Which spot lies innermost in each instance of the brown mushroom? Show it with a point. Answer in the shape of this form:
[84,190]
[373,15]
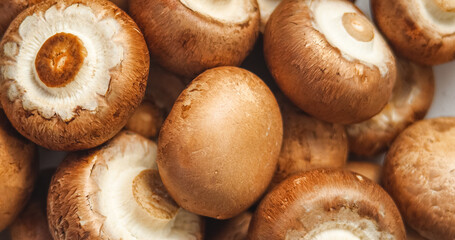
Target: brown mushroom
[413,235]
[115,192]
[187,37]
[146,120]
[73,71]
[327,204]
[18,171]
[235,228]
[329,59]
[218,148]
[371,170]
[123,4]
[419,175]
[9,9]
[422,31]
[411,99]
[32,222]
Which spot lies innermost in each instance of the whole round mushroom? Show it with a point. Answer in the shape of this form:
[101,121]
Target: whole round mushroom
[329,59]
[115,192]
[73,71]
[327,204]
[187,37]
[422,31]
[18,171]
[218,148]
[419,175]
[411,98]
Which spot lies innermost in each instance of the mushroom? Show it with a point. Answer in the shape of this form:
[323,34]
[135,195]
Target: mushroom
[370,170]
[218,148]
[187,37]
[235,228]
[18,171]
[422,31]
[9,9]
[146,120]
[411,99]
[308,143]
[123,4]
[327,204]
[115,192]
[73,71]
[413,235]
[32,222]
[329,59]
[419,175]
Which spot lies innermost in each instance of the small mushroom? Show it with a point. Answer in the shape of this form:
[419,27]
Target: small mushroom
[327,204]
[146,120]
[422,31]
[73,71]
[115,192]
[32,222]
[329,59]
[235,228]
[218,148]
[370,170]
[18,171]
[419,174]
[9,9]
[187,37]
[411,99]
[308,143]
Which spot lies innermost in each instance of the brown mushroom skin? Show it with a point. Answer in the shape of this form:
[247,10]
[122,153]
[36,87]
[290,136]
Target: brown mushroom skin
[306,200]
[218,148]
[411,98]
[9,9]
[418,174]
[88,129]
[146,120]
[370,170]
[408,39]
[19,169]
[123,4]
[318,79]
[186,42]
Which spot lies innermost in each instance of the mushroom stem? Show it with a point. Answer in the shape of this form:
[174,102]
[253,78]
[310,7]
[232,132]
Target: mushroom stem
[340,234]
[358,26]
[446,5]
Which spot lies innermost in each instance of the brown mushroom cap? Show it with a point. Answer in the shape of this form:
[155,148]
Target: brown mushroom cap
[327,204]
[308,143]
[187,41]
[85,81]
[146,120]
[418,30]
[115,192]
[18,171]
[419,175]
[235,228]
[338,68]
[411,99]
[9,9]
[218,148]
[370,170]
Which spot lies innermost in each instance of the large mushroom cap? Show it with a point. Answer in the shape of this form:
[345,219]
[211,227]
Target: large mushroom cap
[189,36]
[419,175]
[327,204]
[218,148]
[73,71]
[421,30]
[115,192]
[410,101]
[329,59]
[18,170]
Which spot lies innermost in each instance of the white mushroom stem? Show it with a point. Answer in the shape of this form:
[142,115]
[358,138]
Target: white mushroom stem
[228,11]
[266,8]
[438,15]
[339,234]
[358,27]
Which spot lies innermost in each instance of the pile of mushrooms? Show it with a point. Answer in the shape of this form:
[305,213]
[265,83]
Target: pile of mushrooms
[224,120]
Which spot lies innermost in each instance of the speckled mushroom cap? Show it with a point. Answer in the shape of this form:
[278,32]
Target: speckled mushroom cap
[9,9]
[187,37]
[115,192]
[72,72]
[329,59]
[327,204]
[411,98]
[419,175]
[421,30]
[18,171]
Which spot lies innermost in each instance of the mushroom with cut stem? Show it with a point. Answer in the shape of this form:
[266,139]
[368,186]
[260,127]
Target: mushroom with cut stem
[329,59]
[187,37]
[73,71]
[115,192]
[411,99]
[218,148]
[146,120]
[419,174]
[370,170]
[327,204]
[18,171]
[422,31]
